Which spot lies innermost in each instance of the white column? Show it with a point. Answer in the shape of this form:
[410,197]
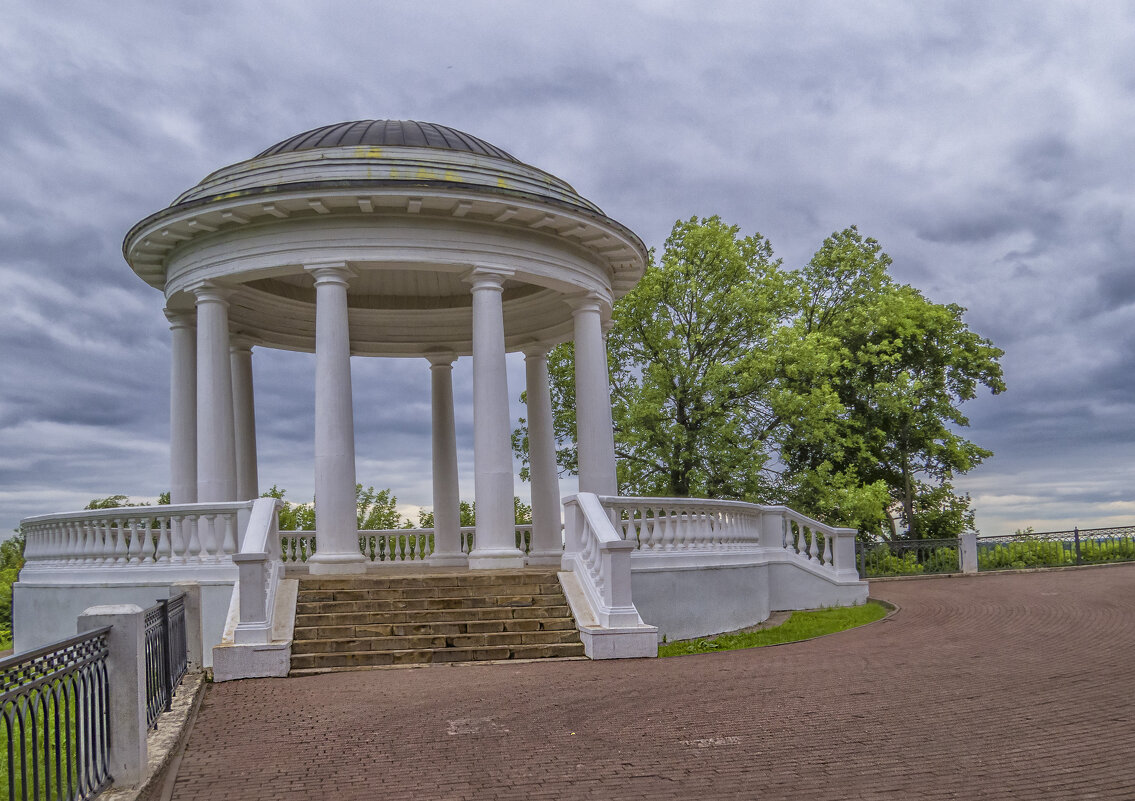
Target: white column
[336,515]
[216,450]
[244,419]
[595,433]
[182,408]
[547,545]
[495,540]
[446,500]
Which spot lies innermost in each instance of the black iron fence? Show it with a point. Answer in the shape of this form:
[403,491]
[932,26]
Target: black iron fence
[1090,546]
[907,557]
[166,659]
[54,720]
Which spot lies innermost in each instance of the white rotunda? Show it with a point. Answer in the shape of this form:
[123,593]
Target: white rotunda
[388,238]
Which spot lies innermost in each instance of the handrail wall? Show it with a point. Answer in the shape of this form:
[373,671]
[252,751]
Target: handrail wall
[599,555]
[261,567]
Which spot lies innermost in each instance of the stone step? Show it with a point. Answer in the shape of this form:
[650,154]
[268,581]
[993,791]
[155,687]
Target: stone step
[479,579]
[400,604]
[433,615]
[313,595]
[324,661]
[432,642]
[440,628]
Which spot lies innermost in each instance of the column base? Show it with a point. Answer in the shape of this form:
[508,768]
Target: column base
[546,557]
[448,559]
[504,559]
[336,564]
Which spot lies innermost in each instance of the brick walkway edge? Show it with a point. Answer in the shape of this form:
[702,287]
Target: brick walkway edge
[1016,686]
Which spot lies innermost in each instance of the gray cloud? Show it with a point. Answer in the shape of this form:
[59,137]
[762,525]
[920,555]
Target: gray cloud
[987,147]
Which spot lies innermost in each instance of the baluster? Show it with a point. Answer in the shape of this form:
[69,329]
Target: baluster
[229,542]
[198,531]
[829,551]
[121,545]
[814,548]
[178,541]
[413,542]
[150,532]
[105,552]
[165,542]
[74,543]
[790,536]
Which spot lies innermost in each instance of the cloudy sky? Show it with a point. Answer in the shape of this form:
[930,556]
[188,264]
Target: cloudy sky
[989,147]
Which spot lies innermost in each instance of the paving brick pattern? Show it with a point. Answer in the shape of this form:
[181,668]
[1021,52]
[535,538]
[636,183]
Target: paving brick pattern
[1002,686]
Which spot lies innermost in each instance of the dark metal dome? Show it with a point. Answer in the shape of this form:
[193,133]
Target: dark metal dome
[378,133]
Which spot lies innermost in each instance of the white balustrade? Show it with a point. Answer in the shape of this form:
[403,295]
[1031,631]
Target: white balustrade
[704,527]
[261,567]
[139,536]
[397,546]
[600,557]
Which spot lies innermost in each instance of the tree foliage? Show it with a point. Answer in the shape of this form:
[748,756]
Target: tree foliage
[832,387]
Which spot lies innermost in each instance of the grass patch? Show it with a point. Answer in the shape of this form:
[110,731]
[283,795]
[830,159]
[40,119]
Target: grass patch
[800,626]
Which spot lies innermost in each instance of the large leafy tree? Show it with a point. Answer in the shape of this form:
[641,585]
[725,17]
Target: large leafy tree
[904,366]
[832,387]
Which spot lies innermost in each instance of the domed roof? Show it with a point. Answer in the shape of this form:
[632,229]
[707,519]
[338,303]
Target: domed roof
[390,133]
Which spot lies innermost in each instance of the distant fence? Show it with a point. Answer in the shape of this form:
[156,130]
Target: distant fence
[54,719]
[907,557]
[1090,546]
[1008,552]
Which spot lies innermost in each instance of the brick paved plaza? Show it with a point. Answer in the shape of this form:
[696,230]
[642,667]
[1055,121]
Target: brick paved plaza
[995,686]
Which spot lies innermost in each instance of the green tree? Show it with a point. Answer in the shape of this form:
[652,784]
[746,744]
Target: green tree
[293,517]
[468,514]
[903,366]
[377,511]
[832,387]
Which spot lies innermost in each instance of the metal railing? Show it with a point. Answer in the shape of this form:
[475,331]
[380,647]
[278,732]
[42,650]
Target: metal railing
[907,557]
[1056,548]
[54,719]
[166,658]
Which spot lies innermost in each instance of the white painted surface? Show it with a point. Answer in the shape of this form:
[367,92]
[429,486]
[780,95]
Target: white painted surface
[446,489]
[546,546]
[696,602]
[244,415]
[336,510]
[183,407]
[595,432]
[216,448]
[494,544]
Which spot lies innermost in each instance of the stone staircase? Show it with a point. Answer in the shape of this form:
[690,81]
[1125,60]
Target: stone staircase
[368,621]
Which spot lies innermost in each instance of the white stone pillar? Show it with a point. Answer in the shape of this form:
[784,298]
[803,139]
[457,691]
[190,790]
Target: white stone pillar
[182,408]
[547,543]
[595,437]
[336,513]
[446,495]
[216,449]
[495,540]
[244,419]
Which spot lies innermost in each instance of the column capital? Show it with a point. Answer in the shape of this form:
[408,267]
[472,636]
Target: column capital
[441,358]
[536,351]
[209,292]
[587,302]
[239,343]
[485,277]
[337,272]
[181,318]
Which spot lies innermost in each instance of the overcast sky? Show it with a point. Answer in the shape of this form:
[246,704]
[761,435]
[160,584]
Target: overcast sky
[989,147]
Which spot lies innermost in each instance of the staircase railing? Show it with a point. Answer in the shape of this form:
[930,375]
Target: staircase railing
[600,558]
[261,568]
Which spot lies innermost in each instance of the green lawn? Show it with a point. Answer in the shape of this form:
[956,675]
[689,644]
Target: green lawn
[799,626]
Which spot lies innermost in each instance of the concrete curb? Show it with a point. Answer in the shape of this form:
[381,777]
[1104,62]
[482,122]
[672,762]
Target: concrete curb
[165,745]
[984,573]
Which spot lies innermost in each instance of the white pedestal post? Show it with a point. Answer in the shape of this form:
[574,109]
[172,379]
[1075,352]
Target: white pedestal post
[446,497]
[595,431]
[495,540]
[216,449]
[336,513]
[126,669]
[244,411]
[547,543]
[182,408]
